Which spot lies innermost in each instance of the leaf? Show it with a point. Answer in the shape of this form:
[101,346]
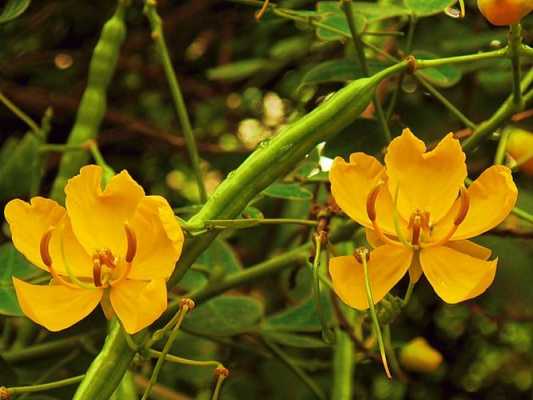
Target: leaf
[290,191]
[219,259]
[239,70]
[341,70]
[18,170]
[12,263]
[443,76]
[301,318]
[252,212]
[423,8]
[372,11]
[338,26]
[13,9]
[295,340]
[224,316]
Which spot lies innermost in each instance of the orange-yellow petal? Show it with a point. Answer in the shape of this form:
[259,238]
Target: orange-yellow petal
[28,223]
[98,217]
[138,303]
[492,197]
[470,248]
[55,307]
[456,276]
[352,182]
[426,181]
[159,239]
[387,265]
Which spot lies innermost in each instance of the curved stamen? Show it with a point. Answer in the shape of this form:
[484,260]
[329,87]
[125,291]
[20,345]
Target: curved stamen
[459,218]
[44,248]
[97,272]
[416,225]
[372,215]
[130,254]
[70,274]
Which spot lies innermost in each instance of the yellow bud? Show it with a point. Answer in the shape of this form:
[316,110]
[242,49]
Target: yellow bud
[419,356]
[520,147]
[505,12]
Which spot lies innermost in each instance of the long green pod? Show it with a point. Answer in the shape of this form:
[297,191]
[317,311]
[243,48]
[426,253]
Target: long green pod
[108,368]
[93,102]
[277,157]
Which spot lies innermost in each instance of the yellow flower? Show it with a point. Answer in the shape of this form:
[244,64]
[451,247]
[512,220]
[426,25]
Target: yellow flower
[419,356]
[418,216]
[114,246]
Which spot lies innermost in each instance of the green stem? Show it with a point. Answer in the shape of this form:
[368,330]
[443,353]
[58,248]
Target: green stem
[454,110]
[317,262]
[184,361]
[218,387]
[395,365]
[60,148]
[359,48]
[181,109]
[251,222]
[488,55]
[515,43]
[343,362]
[526,51]
[299,372]
[499,159]
[44,386]
[168,345]
[21,115]
[506,110]
[362,257]
[408,293]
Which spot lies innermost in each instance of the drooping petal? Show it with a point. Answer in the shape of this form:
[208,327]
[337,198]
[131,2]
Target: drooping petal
[492,197]
[456,276]
[426,181]
[387,265]
[55,307]
[159,239]
[352,182]
[98,217]
[28,223]
[470,248]
[138,303]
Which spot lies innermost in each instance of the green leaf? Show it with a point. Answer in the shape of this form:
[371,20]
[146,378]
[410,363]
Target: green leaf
[13,9]
[218,260]
[18,170]
[363,135]
[443,76]
[252,212]
[341,70]
[224,316]
[12,263]
[289,191]
[295,340]
[239,70]
[338,26]
[301,318]
[422,8]
[372,11]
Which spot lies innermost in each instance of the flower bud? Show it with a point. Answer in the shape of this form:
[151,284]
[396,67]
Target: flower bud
[520,147]
[419,356]
[505,12]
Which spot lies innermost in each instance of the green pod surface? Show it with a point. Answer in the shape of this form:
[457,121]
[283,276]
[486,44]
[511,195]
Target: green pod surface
[276,158]
[93,102]
[108,368]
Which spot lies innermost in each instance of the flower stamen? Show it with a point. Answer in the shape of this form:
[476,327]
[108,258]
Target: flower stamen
[130,254]
[44,247]
[459,218]
[372,215]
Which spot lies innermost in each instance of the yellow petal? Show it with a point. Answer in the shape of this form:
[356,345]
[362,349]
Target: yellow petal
[470,248]
[386,267]
[492,197]
[415,270]
[55,307]
[137,303]
[98,217]
[29,222]
[351,184]
[456,276]
[427,181]
[159,239]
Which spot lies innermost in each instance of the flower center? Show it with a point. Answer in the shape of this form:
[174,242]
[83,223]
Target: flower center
[108,270]
[419,224]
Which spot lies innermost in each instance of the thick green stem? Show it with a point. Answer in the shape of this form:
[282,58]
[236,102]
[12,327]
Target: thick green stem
[181,109]
[499,159]
[343,362]
[506,110]
[515,43]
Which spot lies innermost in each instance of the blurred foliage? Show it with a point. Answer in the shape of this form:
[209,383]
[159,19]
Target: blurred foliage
[243,80]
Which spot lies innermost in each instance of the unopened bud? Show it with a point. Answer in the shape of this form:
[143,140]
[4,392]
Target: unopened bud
[4,393]
[186,302]
[504,12]
[221,371]
[419,356]
[520,148]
